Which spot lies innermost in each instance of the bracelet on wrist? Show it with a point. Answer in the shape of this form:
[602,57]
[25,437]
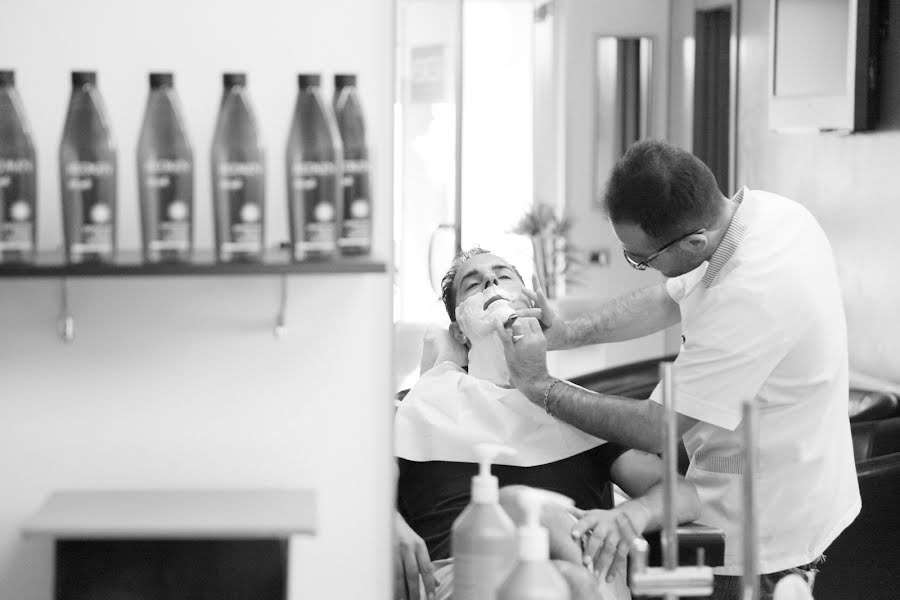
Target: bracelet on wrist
[547,395]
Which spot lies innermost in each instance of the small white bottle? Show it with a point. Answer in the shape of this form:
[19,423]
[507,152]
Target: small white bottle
[483,538]
[792,587]
[534,577]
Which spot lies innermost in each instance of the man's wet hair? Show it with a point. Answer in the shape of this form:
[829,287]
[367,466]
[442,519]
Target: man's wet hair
[448,291]
[663,189]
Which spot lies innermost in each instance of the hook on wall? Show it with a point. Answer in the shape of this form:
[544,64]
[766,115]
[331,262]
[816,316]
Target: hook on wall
[281,329]
[66,321]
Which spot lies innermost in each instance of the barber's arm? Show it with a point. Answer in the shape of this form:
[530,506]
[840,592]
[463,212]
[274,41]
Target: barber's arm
[633,423]
[640,475]
[627,317]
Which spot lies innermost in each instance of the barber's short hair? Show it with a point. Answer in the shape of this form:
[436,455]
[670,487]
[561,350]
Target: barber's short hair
[448,290]
[664,190]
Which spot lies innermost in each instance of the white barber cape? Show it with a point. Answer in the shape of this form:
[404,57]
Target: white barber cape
[448,411]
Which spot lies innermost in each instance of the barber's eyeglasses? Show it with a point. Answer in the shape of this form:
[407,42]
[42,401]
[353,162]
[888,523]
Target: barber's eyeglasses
[643,264]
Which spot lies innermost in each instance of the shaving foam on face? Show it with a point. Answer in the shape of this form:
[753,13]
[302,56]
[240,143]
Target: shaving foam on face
[486,358]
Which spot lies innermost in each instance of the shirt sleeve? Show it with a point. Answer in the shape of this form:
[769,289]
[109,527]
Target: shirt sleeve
[729,352]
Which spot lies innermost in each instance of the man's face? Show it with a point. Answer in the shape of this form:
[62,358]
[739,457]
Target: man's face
[676,260]
[483,271]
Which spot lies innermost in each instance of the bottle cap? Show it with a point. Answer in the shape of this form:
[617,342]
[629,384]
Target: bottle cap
[80,78]
[158,80]
[344,80]
[233,79]
[305,80]
[7,78]
[486,487]
[534,540]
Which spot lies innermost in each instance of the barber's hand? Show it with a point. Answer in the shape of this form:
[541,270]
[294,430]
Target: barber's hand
[525,348]
[410,561]
[555,329]
[611,534]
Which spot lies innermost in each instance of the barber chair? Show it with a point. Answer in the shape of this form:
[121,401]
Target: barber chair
[861,564]
[869,405]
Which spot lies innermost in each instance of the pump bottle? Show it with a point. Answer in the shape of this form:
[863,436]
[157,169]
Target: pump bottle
[483,536]
[534,577]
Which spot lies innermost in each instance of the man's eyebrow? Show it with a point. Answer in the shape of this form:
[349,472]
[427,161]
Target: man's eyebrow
[471,273]
[475,273]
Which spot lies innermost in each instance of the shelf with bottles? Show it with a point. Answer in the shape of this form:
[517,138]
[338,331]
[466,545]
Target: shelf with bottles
[276,261]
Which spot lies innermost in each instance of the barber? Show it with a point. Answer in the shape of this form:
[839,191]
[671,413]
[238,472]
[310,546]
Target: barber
[752,280]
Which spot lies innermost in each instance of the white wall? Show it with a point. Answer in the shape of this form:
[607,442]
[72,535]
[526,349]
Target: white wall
[178,382]
[582,22]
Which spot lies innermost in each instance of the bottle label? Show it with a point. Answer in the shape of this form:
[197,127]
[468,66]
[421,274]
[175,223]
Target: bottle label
[168,186]
[17,200]
[240,195]
[90,190]
[356,228]
[314,198]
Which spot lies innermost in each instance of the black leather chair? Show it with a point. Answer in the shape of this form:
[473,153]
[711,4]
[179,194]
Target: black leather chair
[862,563]
[869,405]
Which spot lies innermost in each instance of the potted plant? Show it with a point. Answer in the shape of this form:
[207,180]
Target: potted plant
[554,256]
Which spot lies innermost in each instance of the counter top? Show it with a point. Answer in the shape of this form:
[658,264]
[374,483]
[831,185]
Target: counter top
[184,514]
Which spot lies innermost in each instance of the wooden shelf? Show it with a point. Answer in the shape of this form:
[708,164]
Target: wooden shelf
[130,265]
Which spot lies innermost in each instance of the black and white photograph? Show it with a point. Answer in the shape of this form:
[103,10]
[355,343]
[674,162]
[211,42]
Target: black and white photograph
[449,299]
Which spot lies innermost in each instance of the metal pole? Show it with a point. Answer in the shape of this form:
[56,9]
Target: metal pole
[751,551]
[670,458]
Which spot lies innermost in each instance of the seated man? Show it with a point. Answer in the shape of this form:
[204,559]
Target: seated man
[449,410]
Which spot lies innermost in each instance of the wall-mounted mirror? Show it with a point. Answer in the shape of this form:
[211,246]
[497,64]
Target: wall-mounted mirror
[622,99]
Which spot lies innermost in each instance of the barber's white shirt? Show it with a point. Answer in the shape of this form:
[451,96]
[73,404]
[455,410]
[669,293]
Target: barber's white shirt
[764,318]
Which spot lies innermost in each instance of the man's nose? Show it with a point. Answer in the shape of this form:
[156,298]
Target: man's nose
[489,280]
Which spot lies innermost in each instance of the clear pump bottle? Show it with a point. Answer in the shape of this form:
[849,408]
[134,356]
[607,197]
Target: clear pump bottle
[534,577]
[18,177]
[483,536]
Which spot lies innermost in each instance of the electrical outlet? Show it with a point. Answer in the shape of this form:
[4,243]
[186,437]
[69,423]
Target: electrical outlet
[599,257]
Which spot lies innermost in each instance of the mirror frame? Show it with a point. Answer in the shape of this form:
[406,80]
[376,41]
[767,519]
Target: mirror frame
[598,179]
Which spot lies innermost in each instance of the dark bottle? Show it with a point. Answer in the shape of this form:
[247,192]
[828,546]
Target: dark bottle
[313,175]
[87,160]
[238,173]
[18,177]
[356,233]
[165,165]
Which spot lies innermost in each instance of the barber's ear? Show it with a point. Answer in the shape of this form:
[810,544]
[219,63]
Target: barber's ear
[696,243]
[457,334]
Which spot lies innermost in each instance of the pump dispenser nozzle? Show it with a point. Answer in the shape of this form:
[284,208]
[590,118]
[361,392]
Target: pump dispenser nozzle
[486,487]
[534,540]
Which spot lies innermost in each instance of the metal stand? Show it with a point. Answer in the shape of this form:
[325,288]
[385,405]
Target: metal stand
[670,580]
[751,551]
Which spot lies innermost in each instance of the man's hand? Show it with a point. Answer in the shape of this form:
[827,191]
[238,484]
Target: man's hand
[410,561]
[525,348]
[609,535]
[555,329]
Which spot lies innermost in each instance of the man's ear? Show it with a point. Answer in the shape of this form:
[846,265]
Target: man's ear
[695,244]
[457,334]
